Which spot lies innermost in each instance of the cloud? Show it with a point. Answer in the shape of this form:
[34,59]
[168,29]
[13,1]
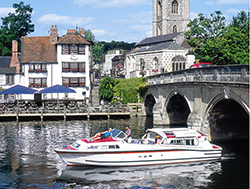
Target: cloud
[140,18]
[99,32]
[4,11]
[232,11]
[139,28]
[111,3]
[64,20]
[193,15]
[232,2]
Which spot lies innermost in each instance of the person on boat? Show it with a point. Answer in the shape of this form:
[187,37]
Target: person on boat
[128,133]
[157,139]
[103,135]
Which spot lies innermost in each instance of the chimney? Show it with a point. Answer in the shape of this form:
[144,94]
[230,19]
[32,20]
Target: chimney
[81,31]
[197,61]
[14,59]
[53,35]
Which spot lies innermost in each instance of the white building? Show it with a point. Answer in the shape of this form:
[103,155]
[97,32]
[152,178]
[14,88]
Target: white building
[167,50]
[107,65]
[51,60]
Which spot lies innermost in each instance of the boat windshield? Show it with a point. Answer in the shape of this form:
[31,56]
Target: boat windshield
[118,134]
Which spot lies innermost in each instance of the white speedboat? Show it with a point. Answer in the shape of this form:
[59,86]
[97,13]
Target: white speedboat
[157,146]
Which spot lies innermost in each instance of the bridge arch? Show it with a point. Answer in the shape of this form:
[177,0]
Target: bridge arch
[149,103]
[226,118]
[177,108]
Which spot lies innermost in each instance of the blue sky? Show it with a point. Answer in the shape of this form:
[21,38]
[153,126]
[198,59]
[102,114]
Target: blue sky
[119,20]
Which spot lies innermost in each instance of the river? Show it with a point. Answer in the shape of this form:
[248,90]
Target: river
[28,160]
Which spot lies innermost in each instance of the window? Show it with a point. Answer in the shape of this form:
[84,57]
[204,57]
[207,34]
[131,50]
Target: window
[175,7]
[73,81]
[142,64]
[159,8]
[38,82]
[73,49]
[73,66]
[65,49]
[185,141]
[9,79]
[38,67]
[81,49]
[175,29]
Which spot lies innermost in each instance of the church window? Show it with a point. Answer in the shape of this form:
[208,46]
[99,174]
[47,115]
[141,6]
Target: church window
[159,30]
[159,8]
[175,5]
[156,67]
[175,29]
[142,64]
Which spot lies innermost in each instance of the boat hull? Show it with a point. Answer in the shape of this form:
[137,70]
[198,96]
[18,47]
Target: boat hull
[137,158]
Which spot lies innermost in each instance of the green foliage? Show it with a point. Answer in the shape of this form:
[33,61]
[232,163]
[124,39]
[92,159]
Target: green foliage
[213,41]
[103,47]
[97,52]
[14,26]
[117,45]
[127,90]
[106,87]
[89,35]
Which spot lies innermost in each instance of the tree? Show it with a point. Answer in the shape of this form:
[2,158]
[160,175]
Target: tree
[106,89]
[129,90]
[212,41]
[97,52]
[241,21]
[89,35]
[97,47]
[117,45]
[14,26]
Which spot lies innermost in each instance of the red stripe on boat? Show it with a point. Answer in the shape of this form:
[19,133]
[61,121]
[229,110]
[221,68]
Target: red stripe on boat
[69,148]
[215,147]
[99,140]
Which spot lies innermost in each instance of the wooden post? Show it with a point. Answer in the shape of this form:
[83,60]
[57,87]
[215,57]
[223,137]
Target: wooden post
[42,114]
[65,116]
[17,112]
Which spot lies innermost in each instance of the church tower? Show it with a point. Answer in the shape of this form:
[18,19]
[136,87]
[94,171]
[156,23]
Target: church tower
[170,16]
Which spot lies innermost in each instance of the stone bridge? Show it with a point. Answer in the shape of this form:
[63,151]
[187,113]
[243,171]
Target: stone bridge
[214,100]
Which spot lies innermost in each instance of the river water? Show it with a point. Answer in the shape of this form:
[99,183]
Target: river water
[28,160]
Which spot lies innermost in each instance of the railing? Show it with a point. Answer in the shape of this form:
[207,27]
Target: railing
[59,106]
[220,74]
[135,107]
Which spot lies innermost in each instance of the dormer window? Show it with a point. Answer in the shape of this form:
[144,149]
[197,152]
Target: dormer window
[73,49]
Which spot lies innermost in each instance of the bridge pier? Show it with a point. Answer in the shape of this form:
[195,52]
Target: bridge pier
[214,100]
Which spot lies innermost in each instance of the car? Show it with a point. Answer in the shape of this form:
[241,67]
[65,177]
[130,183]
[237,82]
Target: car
[201,65]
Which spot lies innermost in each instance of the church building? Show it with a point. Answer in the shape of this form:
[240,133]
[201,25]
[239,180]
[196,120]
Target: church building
[167,50]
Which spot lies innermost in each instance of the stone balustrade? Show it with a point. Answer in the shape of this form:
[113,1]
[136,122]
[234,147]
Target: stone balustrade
[220,74]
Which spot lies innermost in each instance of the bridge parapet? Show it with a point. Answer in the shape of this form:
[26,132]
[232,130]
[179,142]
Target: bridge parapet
[227,74]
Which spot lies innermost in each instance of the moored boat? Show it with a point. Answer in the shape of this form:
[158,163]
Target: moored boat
[157,146]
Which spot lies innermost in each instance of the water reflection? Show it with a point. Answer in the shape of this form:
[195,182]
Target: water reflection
[165,176]
[28,160]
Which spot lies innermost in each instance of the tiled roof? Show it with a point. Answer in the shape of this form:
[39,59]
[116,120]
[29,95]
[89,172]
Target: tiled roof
[169,45]
[118,57]
[38,49]
[158,39]
[74,38]
[7,70]
[5,61]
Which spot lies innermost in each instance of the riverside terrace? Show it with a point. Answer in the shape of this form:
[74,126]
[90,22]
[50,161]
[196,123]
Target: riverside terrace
[59,110]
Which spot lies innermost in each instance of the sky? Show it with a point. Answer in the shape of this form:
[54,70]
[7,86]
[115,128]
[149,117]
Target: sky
[118,20]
